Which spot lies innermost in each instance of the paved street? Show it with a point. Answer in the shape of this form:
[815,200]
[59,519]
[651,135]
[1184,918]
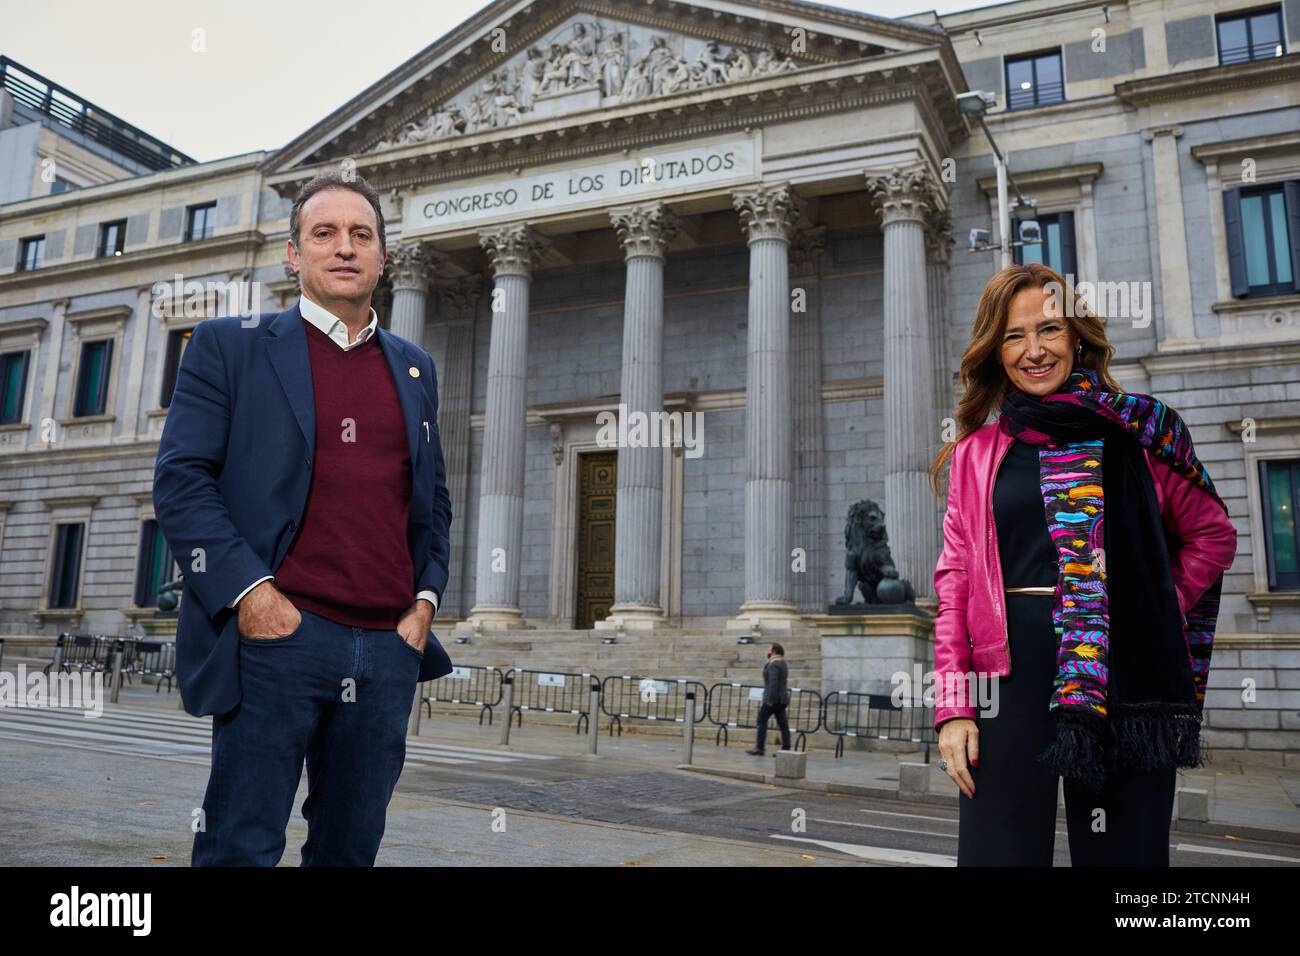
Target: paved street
[121,789]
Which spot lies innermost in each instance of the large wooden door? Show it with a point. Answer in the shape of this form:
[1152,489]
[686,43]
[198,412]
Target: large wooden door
[597,496]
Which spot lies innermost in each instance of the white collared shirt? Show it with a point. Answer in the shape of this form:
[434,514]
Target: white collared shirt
[333,326]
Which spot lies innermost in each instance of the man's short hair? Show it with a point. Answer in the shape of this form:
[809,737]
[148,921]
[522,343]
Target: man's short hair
[335,179]
[778,648]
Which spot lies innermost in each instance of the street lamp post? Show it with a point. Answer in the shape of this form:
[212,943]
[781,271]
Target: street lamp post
[975,104]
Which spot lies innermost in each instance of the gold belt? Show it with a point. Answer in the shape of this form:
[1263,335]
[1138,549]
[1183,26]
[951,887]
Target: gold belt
[1033,590]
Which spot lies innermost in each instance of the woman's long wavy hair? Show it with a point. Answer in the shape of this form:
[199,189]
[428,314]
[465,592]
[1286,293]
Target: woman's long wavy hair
[982,375]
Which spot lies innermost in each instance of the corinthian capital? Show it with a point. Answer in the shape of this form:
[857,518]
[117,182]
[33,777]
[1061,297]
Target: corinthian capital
[645,230]
[408,266]
[512,249]
[769,212]
[805,249]
[903,194]
[461,296]
[938,236]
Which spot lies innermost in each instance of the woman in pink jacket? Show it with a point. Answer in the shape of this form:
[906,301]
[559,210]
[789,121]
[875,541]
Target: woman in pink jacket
[1084,541]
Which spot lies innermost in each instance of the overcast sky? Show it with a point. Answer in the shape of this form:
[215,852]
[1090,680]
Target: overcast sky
[269,70]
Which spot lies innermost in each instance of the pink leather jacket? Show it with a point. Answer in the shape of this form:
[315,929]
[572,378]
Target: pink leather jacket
[970,631]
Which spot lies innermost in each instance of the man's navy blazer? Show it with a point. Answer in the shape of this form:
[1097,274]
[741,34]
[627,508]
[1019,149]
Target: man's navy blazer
[232,476]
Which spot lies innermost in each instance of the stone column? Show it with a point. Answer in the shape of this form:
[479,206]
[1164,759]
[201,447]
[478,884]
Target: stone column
[769,215]
[46,426]
[455,390]
[1171,232]
[513,251]
[137,424]
[904,200]
[806,355]
[645,233]
[409,265]
[938,254]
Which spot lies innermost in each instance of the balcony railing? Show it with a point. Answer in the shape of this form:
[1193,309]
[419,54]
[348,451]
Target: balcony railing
[67,109]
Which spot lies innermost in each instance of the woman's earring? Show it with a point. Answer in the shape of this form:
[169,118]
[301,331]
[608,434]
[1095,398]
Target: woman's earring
[1078,352]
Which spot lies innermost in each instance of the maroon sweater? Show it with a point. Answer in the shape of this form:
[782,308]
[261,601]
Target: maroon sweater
[351,562]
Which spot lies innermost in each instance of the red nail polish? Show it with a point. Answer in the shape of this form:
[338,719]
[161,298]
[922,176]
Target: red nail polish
[975,764]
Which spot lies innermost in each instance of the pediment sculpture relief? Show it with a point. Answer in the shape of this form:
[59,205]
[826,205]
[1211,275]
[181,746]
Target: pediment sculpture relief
[593,59]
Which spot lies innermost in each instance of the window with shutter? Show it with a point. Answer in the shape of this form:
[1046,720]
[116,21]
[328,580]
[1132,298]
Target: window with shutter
[1262,228]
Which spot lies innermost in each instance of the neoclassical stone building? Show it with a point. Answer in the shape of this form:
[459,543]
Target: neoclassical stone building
[750,214]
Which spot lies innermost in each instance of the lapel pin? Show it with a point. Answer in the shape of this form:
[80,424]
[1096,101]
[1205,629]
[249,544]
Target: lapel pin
[415,372]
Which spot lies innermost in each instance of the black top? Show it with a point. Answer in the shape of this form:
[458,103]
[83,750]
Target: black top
[1025,549]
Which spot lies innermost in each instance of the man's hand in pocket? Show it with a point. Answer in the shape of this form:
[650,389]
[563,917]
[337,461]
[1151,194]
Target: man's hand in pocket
[415,623]
[266,612]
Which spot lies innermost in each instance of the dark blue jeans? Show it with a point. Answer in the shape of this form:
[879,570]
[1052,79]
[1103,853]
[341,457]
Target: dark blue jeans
[338,697]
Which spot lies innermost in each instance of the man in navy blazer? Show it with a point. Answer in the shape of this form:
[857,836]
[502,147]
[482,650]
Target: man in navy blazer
[301,486]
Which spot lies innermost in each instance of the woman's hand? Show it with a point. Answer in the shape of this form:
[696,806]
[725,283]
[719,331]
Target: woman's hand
[959,742]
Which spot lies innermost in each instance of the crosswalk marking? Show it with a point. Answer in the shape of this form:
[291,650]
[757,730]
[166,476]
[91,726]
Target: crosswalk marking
[1224,851]
[877,854]
[877,826]
[175,735]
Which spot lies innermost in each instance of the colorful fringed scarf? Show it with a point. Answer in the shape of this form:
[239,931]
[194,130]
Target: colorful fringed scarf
[1131,671]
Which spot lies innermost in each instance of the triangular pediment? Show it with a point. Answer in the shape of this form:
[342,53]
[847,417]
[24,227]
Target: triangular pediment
[589,63]
[516,63]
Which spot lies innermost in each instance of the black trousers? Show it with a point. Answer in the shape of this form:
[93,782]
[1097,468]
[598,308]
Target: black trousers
[766,711]
[1011,820]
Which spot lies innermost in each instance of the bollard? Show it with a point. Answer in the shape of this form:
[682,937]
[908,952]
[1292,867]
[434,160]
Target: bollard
[688,732]
[792,764]
[413,725]
[58,657]
[593,725]
[913,778]
[1192,804]
[118,652]
[507,702]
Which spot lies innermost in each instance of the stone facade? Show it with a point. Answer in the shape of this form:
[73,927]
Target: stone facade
[653,269]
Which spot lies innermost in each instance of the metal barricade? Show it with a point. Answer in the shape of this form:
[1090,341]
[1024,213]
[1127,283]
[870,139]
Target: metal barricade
[471,685]
[737,705]
[79,652]
[144,658]
[847,714]
[638,697]
[552,692]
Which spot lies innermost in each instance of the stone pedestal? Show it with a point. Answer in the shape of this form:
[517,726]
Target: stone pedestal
[861,653]
[163,628]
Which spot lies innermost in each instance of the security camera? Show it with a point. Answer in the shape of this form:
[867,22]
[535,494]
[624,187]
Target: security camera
[1029,231]
[978,237]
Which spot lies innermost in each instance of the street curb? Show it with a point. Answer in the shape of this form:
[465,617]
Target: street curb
[1262,834]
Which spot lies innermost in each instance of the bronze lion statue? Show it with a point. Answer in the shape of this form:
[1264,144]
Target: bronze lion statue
[867,561]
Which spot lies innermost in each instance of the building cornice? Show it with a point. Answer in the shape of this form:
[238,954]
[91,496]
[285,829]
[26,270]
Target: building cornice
[35,326]
[1080,173]
[917,75]
[1207,152]
[151,183]
[173,253]
[70,501]
[466,54]
[1242,356]
[1210,81]
[118,313]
